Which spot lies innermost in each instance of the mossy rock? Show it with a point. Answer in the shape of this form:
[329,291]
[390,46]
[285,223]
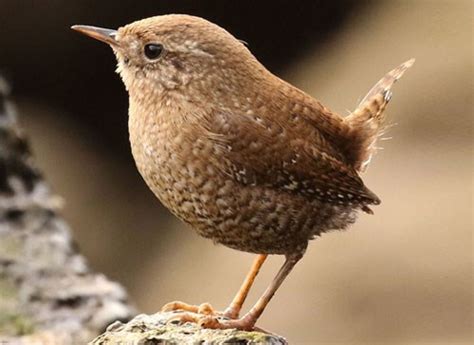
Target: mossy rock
[154,329]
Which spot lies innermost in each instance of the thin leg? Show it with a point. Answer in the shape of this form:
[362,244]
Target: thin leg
[235,306]
[247,322]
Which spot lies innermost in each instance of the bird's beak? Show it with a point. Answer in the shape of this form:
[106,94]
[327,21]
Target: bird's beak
[105,35]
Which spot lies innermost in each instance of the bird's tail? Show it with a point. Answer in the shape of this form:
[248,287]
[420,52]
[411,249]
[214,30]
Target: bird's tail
[366,123]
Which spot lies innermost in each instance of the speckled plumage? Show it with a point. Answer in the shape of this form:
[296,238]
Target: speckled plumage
[245,158]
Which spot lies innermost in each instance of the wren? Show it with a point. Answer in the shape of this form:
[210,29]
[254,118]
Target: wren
[246,159]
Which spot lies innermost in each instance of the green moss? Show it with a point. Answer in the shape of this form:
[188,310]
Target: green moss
[11,322]
[11,247]
[156,329]
[15,324]
[248,337]
[8,292]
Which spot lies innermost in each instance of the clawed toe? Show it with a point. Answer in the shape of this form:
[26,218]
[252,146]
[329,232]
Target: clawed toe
[204,308]
[212,322]
[209,322]
[183,317]
[205,316]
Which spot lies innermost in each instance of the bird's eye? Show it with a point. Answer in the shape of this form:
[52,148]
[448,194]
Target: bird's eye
[153,51]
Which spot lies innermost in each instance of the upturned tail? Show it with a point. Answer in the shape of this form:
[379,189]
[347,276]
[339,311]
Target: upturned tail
[366,123]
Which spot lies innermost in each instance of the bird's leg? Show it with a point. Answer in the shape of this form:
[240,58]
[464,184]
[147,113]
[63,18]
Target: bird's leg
[233,310]
[247,322]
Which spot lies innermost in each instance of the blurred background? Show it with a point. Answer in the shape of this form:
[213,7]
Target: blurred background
[402,276]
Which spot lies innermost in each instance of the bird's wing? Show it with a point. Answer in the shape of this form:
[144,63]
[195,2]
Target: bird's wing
[262,152]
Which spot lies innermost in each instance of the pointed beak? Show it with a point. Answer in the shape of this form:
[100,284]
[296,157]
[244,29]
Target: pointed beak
[105,35]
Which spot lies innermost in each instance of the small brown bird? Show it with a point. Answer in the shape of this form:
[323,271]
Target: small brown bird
[242,156]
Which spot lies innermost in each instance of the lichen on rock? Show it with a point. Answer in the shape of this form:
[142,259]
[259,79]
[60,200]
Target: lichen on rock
[155,329]
[48,293]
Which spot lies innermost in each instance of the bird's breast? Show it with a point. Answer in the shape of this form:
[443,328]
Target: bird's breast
[176,163]
[151,139]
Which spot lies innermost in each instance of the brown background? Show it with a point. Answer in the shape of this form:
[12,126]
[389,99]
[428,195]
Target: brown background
[402,276]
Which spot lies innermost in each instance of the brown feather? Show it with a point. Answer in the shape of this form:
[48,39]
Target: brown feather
[244,157]
[367,121]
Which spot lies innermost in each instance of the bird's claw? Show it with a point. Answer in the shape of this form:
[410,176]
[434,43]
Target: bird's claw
[205,316]
[207,321]
[213,322]
[210,321]
[183,317]
[202,309]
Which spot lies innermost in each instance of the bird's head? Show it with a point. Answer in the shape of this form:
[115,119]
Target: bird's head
[169,52]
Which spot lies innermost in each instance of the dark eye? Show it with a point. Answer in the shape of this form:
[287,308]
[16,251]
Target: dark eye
[153,50]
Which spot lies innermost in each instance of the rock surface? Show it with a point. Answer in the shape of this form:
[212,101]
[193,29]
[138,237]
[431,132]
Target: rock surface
[48,294]
[154,329]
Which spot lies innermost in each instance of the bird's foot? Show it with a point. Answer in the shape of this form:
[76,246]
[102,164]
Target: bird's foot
[202,309]
[206,316]
[213,321]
